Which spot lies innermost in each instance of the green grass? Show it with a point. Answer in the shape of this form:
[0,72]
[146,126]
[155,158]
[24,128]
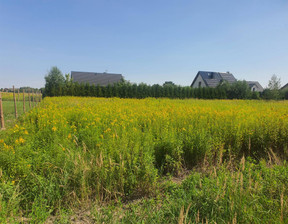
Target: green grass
[9,111]
[119,159]
[249,193]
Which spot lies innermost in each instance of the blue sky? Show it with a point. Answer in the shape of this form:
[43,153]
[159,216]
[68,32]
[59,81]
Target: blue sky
[146,41]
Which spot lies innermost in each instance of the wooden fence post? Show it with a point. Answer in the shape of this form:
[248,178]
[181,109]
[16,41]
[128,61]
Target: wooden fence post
[36,97]
[15,106]
[18,95]
[1,113]
[33,99]
[39,96]
[23,102]
[29,98]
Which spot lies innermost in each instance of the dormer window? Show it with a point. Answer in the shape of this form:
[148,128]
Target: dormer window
[210,75]
[199,84]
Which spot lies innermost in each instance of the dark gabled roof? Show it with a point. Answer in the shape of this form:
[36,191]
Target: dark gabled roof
[212,82]
[285,86]
[212,79]
[227,77]
[252,83]
[102,79]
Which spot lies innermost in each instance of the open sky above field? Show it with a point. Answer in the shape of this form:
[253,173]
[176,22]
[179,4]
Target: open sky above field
[149,41]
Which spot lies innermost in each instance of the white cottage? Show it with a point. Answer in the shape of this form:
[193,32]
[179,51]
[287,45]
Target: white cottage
[212,79]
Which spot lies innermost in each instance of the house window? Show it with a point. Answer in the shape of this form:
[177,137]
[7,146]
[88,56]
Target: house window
[199,84]
[253,89]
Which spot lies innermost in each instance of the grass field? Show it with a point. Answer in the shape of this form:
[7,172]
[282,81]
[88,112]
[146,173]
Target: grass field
[150,160]
[9,111]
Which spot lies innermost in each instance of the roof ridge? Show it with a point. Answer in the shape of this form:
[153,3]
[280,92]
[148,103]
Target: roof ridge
[98,73]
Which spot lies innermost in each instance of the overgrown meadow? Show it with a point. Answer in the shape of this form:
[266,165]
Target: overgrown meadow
[68,151]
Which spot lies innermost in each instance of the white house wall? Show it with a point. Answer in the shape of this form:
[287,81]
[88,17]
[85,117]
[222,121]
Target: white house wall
[256,89]
[196,83]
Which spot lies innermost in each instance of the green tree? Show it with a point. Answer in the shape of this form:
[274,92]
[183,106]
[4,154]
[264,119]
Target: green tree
[69,86]
[274,86]
[255,95]
[274,83]
[239,90]
[54,82]
[99,91]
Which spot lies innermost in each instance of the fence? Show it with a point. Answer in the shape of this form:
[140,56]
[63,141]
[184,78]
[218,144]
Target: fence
[29,96]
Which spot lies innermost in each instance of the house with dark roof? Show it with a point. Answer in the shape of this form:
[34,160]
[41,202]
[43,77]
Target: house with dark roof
[284,88]
[255,86]
[101,79]
[212,79]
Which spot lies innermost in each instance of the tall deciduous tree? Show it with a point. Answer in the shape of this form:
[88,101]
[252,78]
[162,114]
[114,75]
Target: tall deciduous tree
[54,82]
[273,90]
[274,83]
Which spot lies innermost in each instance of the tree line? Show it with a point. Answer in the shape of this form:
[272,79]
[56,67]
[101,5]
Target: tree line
[25,88]
[58,85]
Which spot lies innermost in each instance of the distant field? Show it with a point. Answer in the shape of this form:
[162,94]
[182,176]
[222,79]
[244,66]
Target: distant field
[69,151]
[19,97]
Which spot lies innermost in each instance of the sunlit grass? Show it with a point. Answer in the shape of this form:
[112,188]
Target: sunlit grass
[71,150]
[9,111]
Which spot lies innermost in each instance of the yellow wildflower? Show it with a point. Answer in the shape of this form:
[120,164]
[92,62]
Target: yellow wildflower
[21,140]
[108,129]
[54,128]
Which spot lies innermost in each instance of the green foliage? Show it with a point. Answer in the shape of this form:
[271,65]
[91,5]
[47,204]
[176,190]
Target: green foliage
[71,150]
[9,111]
[236,90]
[274,83]
[255,96]
[251,193]
[168,157]
[239,90]
[54,83]
[273,91]
[68,88]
